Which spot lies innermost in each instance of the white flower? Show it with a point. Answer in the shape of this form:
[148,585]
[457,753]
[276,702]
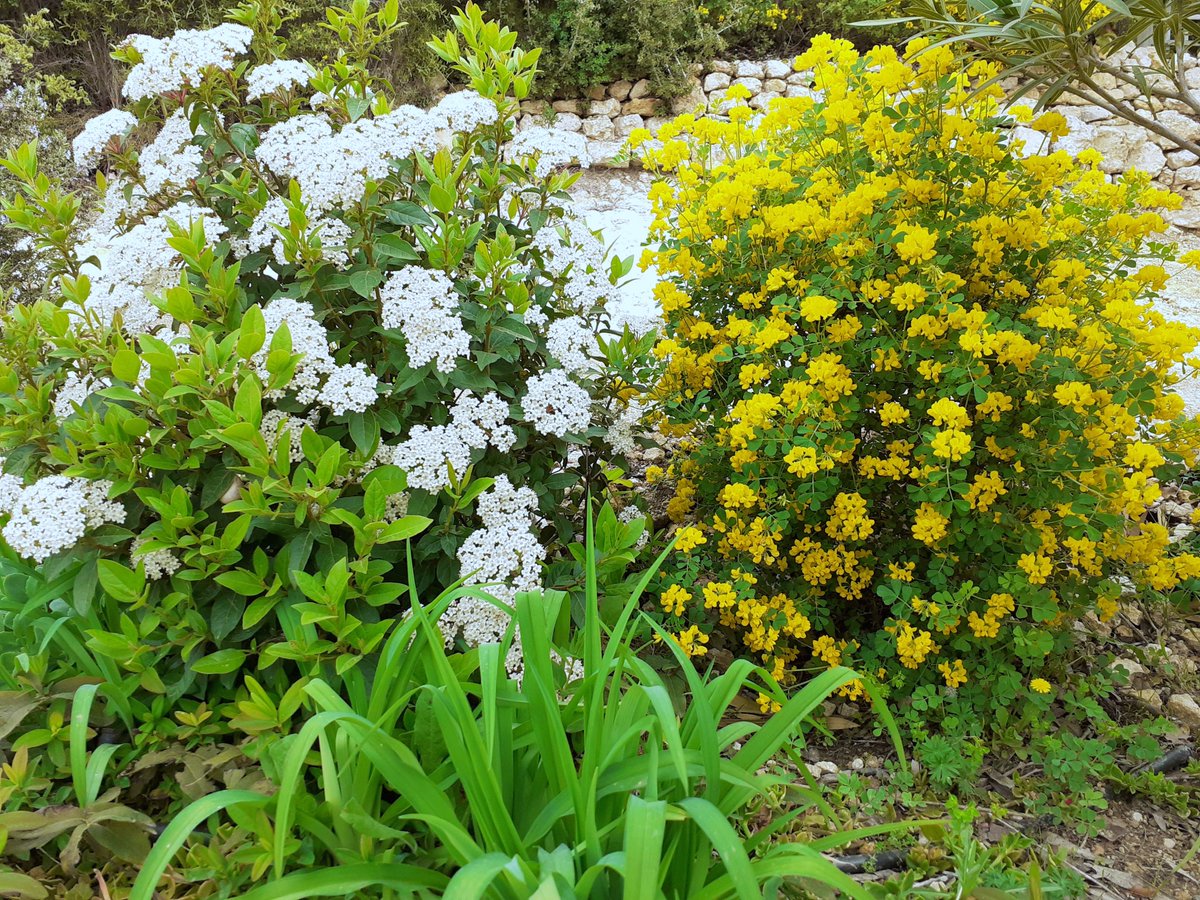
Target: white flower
[264,233]
[309,338]
[169,64]
[428,455]
[423,305]
[333,168]
[53,513]
[620,434]
[349,389]
[157,564]
[171,159]
[276,424]
[572,252]
[552,148]
[506,558]
[632,514]
[464,111]
[554,404]
[568,339]
[10,489]
[139,263]
[277,75]
[335,237]
[88,147]
[74,393]
[483,420]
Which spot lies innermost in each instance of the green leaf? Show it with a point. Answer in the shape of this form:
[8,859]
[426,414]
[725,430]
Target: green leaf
[220,663]
[253,333]
[120,582]
[364,281]
[126,365]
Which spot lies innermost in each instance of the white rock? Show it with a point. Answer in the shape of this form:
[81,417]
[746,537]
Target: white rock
[534,107]
[1119,145]
[826,767]
[716,81]
[1080,138]
[720,65]
[753,85]
[693,99]
[598,128]
[1187,127]
[1088,114]
[1132,668]
[1149,159]
[654,123]
[608,154]
[608,107]
[624,125]
[640,89]
[748,68]
[568,122]
[1184,708]
[763,101]
[567,106]
[619,90]
[775,85]
[801,90]
[799,78]
[777,68]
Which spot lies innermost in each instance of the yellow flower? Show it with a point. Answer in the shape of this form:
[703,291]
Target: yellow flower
[735,496]
[1041,685]
[817,308]
[951,444]
[674,599]
[692,641]
[918,244]
[654,474]
[689,538]
[893,413]
[955,674]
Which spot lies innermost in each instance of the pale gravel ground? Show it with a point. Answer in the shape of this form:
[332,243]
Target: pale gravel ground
[615,201]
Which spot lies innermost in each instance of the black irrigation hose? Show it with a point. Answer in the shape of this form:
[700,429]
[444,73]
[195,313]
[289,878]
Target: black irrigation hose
[860,863]
[1175,759]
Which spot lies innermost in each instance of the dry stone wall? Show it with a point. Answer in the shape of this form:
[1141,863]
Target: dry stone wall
[608,115]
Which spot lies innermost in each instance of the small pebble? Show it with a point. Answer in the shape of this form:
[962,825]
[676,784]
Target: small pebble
[829,768]
[1138,818]
[857,763]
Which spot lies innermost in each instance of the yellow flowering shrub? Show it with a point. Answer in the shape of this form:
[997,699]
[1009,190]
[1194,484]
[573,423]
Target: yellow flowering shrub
[923,391]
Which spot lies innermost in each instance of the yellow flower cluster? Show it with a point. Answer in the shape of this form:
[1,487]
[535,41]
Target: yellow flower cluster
[919,370]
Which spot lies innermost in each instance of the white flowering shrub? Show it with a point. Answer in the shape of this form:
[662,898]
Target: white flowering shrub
[308,328]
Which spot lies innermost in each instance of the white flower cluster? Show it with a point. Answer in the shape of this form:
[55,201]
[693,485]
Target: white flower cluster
[506,557]
[631,514]
[138,263]
[464,111]
[168,64]
[620,434]
[277,75]
[572,252]
[88,147]
[430,453]
[54,512]
[157,564]
[276,423]
[568,340]
[171,158]
[333,168]
[10,489]
[423,305]
[551,148]
[74,393]
[348,388]
[554,404]
[264,233]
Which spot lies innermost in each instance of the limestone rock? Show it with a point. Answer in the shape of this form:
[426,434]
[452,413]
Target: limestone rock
[801,90]
[763,101]
[688,102]
[599,92]
[1133,668]
[606,107]
[1081,137]
[608,154]
[753,85]
[776,68]
[567,106]
[598,128]
[1187,127]
[619,90]
[775,85]
[720,65]
[654,123]
[748,68]
[1184,708]
[624,125]
[716,81]
[1148,698]
[568,122]
[534,107]
[1149,159]
[1119,145]
[640,89]
[643,106]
